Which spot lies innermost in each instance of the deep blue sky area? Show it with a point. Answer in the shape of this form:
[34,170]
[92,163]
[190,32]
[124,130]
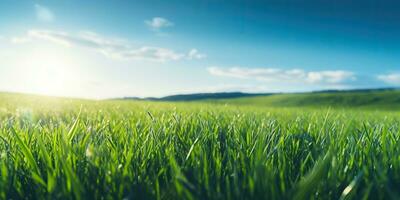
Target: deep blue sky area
[155,47]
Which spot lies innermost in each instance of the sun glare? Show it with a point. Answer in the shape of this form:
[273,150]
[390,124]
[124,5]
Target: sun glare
[49,71]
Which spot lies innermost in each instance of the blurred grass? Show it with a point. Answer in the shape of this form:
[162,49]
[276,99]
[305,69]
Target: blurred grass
[53,148]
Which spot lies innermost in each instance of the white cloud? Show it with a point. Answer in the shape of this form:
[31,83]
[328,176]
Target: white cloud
[151,53]
[52,36]
[195,54]
[248,88]
[112,48]
[337,76]
[20,40]
[393,79]
[43,13]
[275,75]
[158,23]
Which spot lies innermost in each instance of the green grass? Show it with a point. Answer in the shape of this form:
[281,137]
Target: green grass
[78,149]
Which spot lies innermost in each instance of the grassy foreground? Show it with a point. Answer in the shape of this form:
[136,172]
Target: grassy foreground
[74,149]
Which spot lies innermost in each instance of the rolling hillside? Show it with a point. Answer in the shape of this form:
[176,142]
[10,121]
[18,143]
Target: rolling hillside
[374,98]
[379,99]
[200,96]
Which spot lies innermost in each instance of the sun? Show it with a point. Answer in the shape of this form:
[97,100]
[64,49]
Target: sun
[49,71]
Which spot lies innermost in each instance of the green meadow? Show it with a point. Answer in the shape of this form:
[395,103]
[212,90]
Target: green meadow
[295,146]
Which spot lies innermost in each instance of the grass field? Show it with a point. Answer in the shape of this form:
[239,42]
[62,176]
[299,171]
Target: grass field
[80,149]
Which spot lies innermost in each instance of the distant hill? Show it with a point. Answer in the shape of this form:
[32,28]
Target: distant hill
[201,96]
[386,98]
[357,90]
[372,98]
[230,95]
[383,98]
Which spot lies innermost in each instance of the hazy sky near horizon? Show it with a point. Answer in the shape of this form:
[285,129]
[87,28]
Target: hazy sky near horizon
[102,49]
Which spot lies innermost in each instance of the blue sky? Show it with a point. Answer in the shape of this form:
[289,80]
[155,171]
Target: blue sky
[102,49]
